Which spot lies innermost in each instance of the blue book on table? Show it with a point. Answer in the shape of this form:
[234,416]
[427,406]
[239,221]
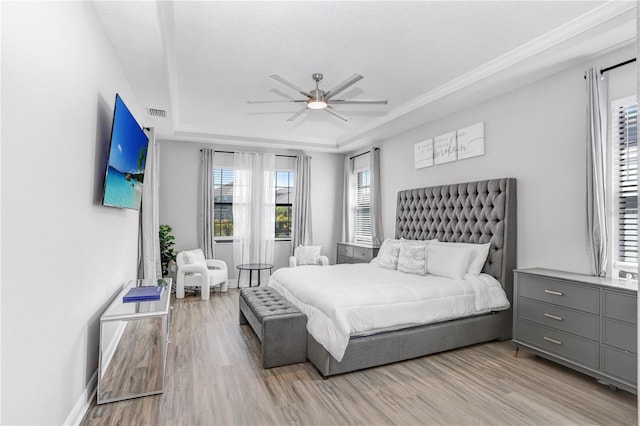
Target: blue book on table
[141,294]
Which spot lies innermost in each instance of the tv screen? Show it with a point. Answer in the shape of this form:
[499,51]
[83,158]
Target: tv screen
[127,156]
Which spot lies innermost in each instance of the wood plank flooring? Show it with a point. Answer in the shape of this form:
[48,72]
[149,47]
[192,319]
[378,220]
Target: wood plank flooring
[213,377]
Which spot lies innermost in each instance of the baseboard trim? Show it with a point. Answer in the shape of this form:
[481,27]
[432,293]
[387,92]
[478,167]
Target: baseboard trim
[84,402]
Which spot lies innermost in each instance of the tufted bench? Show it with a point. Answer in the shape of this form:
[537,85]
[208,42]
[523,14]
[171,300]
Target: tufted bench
[280,326]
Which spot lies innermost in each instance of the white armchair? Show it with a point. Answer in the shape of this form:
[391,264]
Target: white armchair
[307,255]
[196,271]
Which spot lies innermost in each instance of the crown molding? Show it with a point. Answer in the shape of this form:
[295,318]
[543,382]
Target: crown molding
[564,33]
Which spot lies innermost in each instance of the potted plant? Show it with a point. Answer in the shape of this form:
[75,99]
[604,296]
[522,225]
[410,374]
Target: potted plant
[167,253]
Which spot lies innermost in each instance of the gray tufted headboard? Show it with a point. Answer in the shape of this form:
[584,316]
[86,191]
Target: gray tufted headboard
[472,212]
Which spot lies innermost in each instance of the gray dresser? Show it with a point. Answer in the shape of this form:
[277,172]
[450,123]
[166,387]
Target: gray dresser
[583,322]
[356,253]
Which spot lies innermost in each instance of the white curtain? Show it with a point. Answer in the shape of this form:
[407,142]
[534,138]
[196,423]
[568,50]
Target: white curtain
[149,265]
[348,202]
[376,210]
[205,217]
[254,205]
[596,173]
[302,232]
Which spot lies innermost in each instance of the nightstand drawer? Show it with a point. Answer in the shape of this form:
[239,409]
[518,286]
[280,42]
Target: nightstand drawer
[563,344]
[620,334]
[576,322]
[621,306]
[344,259]
[620,363]
[560,293]
[345,250]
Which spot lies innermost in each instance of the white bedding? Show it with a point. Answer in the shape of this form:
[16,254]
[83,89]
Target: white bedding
[341,301]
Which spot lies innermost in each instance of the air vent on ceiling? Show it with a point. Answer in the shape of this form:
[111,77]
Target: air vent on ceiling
[157,112]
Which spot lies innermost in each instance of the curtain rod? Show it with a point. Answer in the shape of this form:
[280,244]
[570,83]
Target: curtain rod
[603,70]
[277,155]
[363,153]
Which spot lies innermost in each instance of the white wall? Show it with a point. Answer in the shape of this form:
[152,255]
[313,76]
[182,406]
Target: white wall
[179,177]
[535,134]
[63,254]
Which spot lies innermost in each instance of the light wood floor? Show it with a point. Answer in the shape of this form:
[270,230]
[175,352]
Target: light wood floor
[213,377]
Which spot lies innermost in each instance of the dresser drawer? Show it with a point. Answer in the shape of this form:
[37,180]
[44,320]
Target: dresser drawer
[560,293]
[620,334]
[621,306]
[576,322]
[578,349]
[620,363]
[345,250]
[344,259]
[362,254]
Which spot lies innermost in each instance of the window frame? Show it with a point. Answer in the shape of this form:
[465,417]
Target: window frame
[361,238]
[292,178]
[222,238]
[619,267]
[291,172]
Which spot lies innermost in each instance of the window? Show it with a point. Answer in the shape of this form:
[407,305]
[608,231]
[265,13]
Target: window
[363,206]
[284,201]
[625,185]
[223,203]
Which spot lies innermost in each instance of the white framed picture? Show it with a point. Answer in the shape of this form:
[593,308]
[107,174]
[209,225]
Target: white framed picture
[423,154]
[471,141]
[445,148]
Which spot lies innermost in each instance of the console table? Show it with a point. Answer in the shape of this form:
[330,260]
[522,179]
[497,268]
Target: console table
[583,322]
[133,345]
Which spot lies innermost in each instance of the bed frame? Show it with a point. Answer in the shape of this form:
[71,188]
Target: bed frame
[473,212]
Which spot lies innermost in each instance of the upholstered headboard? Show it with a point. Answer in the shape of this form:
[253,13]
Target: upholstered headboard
[472,212]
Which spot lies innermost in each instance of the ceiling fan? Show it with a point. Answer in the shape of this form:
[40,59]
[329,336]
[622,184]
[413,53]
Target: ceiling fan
[318,98]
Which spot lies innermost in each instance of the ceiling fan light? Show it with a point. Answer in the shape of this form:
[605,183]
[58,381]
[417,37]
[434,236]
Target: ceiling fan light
[317,103]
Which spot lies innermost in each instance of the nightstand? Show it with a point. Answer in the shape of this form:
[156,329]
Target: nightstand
[356,252]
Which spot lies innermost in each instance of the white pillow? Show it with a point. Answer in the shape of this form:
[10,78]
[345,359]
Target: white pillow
[388,254]
[478,255]
[448,260]
[308,255]
[412,257]
[193,256]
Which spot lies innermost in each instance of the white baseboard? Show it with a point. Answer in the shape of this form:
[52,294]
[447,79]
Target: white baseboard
[84,402]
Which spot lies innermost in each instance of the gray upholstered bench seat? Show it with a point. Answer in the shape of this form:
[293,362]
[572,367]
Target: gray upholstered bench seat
[280,326]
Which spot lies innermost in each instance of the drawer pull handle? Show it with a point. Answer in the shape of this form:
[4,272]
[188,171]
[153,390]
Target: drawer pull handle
[549,339]
[555,317]
[555,293]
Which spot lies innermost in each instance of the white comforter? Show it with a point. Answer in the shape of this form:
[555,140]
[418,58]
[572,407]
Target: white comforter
[345,300]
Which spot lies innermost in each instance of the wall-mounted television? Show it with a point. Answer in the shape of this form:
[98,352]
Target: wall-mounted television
[127,158]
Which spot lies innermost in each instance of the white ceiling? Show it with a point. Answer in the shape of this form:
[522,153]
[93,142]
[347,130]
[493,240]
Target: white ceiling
[201,61]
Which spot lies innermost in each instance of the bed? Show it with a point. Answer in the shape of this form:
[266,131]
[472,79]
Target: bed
[481,213]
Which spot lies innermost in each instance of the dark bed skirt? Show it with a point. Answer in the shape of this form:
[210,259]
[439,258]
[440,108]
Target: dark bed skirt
[399,345]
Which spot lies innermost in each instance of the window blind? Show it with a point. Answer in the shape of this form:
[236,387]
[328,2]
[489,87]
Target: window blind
[363,206]
[625,152]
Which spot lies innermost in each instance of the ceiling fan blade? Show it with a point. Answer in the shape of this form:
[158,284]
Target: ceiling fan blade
[297,114]
[276,102]
[358,101]
[328,109]
[288,83]
[340,87]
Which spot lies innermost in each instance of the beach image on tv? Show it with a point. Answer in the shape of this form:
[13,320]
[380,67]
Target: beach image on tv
[127,157]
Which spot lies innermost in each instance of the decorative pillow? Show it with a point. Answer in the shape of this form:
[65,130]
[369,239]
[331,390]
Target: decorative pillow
[388,254]
[308,255]
[478,256]
[448,260]
[193,256]
[412,257]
